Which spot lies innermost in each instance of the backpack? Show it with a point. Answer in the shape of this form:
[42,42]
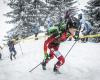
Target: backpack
[57,28]
[62,26]
[53,30]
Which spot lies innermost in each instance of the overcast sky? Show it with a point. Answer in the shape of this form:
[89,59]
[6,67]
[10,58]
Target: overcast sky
[4,9]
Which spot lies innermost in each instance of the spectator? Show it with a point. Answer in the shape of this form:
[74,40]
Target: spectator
[85,29]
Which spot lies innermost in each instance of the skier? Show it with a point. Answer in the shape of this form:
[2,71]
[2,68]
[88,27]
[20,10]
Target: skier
[52,43]
[12,50]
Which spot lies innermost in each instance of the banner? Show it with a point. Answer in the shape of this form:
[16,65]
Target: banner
[90,36]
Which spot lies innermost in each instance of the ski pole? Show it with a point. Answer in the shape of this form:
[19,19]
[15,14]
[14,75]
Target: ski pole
[35,67]
[65,57]
[70,49]
[20,48]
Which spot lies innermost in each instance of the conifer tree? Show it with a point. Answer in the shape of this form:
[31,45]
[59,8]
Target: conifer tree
[93,12]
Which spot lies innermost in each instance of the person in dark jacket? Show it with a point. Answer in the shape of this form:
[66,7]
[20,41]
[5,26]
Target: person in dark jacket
[12,50]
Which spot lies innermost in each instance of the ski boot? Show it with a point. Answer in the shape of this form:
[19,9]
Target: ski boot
[56,70]
[0,56]
[43,65]
[11,58]
[14,56]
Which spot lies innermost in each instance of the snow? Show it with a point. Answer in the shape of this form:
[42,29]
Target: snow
[82,63]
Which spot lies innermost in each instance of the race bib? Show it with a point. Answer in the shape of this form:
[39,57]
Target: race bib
[57,54]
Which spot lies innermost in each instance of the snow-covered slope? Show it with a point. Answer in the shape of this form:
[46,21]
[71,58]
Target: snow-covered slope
[82,63]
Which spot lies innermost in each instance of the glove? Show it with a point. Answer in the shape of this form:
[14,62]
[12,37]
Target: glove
[76,38]
[68,34]
[46,56]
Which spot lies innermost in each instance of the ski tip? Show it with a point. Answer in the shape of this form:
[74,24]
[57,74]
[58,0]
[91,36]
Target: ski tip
[30,71]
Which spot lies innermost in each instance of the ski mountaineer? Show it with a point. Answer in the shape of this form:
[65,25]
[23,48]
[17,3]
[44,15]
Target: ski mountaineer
[53,42]
[12,50]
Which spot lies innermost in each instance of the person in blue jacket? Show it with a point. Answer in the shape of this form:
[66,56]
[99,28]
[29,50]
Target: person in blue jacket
[86,27]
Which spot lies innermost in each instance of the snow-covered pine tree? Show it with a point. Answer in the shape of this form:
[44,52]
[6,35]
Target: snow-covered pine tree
[25,14]
[93,12]
[61,6]
[19,16]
